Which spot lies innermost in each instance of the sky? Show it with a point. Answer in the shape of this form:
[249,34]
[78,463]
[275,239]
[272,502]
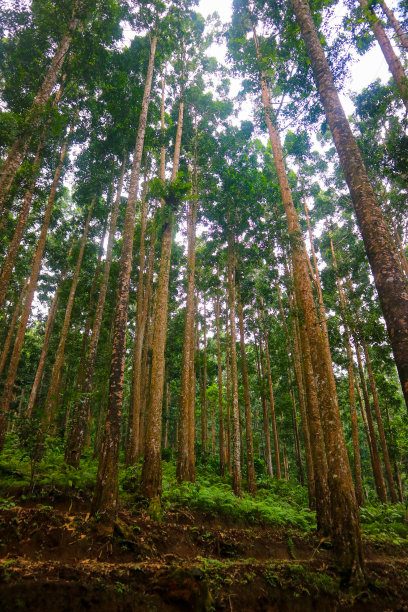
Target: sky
[364,71]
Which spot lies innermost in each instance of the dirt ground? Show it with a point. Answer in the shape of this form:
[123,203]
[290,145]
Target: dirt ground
[53,556]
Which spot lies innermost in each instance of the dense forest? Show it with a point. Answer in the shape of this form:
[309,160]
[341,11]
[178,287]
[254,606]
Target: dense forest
[203,307]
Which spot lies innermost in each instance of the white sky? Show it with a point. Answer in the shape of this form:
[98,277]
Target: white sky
[365,70]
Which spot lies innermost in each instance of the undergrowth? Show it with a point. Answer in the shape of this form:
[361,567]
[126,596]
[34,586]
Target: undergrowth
[277,503]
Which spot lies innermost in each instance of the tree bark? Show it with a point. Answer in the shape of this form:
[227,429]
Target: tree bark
[236,438]
[151,483]
[220,403]
[392,286]
[251,477]
[227,363]
[265,415]
[185,463]
[352,396]
[106,491]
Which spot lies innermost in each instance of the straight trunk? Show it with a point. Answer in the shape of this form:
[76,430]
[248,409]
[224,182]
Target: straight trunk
[184,461]
[52,399]
[236,468]
[151,482]
[251,477]
[271,401]
[204,436]
[106,491]
[220,405]
[227,363]
[296,434]
[265,415]
[77,435]
[352,396]
[392,286]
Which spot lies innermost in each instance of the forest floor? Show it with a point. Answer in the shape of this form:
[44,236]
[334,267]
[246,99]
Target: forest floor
[207,552]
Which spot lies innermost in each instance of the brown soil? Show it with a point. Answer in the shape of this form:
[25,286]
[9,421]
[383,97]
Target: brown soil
[57,558]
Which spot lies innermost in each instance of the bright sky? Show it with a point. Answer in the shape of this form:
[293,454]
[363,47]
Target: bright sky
[365,70]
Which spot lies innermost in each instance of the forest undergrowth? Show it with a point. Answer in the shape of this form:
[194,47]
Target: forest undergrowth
[205,550]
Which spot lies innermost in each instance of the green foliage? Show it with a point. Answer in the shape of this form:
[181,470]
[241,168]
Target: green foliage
[386,523]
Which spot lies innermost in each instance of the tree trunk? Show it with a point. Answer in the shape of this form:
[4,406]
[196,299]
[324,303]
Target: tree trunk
[77,435]
[384,445]
[376,461]
[51,401]
[236,467]
[352,396]
[151,471]
[220,405]
[184,461]
[265,415]
[20,145]
[12,325]
[271,399]
[32,286]
[390,56]
[296,433]
[227,363]
[106,491]
[251,477]
[402,39]
[381,251]
[204,425]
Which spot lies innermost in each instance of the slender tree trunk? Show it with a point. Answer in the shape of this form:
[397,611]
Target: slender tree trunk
[265,415]
[151,471]
[251,477]
[77,434]
[236,468]
[296,433]
[51,401]
[376,461]
[271,400]
[297,367]
[20,145]
[381,251]
[352,397]
[227,363]
[47,337]
[384,445]
[394,64]
[401,250]
[13,323]
[204,424]
[106,491]
[220,404]
[133,435]
[32,286]
[396,469]
[402,39]
[184,461]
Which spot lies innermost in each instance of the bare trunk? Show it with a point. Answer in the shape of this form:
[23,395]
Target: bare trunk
[227,362]
[204,425]
[106,491]
[402,39]
[265,415]
[251,478]
[381,251]
[236,467]
[151,484]
[220,405]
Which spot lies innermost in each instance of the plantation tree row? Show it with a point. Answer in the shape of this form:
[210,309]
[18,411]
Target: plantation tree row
[174,285]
